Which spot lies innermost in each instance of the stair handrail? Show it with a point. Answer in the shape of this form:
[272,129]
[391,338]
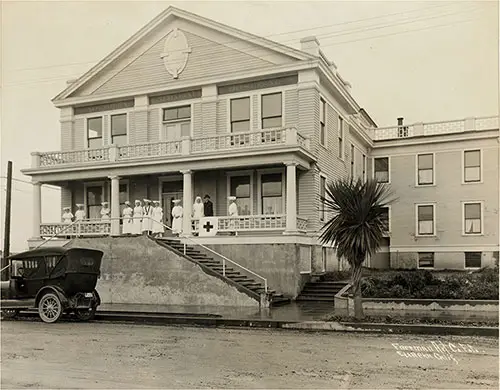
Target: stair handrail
[224,258]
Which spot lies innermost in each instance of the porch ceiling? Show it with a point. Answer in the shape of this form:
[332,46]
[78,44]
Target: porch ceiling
[160,166]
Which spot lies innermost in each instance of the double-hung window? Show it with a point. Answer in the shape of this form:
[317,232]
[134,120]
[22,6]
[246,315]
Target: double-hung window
[176,123]
[240,115]
[322,193]
[425,169]
[473,218]
[425,220]
[119,129]
[94,132]
[472,166]
[381,169]
[240,187]
[94,198]
[271,107]
[272,193]
[341,138]
[322,122]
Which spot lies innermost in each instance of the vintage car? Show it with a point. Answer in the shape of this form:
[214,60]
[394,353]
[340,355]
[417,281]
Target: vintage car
[53,280]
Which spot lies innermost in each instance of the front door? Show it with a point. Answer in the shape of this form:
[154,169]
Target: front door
[168,204]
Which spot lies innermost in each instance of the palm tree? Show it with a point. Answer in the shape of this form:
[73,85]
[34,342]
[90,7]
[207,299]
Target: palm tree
[357,225]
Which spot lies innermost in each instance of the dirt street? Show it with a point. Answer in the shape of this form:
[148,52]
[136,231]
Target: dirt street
[113,356]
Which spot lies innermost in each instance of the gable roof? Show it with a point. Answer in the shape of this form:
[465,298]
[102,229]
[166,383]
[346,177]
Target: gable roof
[176,12]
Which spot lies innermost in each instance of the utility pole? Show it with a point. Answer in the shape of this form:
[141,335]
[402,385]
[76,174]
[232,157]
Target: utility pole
[6,239]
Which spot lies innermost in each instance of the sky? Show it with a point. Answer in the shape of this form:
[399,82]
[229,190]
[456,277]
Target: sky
[424,61]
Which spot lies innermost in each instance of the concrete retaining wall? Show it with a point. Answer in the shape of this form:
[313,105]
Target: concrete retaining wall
[137,270]
[278,263]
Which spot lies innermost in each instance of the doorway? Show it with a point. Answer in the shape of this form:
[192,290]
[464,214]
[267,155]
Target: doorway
[168,204]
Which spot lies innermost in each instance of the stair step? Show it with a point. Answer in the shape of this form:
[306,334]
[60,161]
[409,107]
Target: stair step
[318,290]
[308,298]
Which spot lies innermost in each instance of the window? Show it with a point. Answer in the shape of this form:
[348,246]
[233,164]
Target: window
[271,105]
[385,218]
[240,187]
[352,160]
[322,191]
[119,129]
[322,121]
[472,218]
[271,193]
[472,166]
[176,123]
[426,259]
[94,200]
[425,169]
[364,167]
[94,133]
[240,115]
[473,259]
[425,220]
[341,138]
[382,169]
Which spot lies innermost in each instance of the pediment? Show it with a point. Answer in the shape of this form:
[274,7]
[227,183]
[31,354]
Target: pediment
[180,47]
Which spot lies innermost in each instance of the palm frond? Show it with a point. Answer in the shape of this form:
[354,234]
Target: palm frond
[357,224]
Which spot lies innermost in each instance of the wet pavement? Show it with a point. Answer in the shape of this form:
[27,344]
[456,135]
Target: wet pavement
[294,311]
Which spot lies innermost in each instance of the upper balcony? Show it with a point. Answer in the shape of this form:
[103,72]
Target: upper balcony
[434,128]
[276,140]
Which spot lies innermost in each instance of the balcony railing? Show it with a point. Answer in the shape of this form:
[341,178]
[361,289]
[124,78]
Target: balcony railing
[435,128]
[243,223]
[165,149]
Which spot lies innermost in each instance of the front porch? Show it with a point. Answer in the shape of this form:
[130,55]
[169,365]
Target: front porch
[272,200]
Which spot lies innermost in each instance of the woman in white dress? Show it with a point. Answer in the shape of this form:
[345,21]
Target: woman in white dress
[177,213]
[233,213]
[67,216]
[105,217]
[79,218]
[147,221]
[138,212]
[158,228]
[127,218]
[198,211]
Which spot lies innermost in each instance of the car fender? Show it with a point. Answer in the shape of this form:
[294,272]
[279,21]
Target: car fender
[97,297]
[54,289]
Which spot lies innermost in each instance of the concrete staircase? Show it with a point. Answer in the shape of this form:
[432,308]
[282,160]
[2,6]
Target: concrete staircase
[213,266]
[321,290]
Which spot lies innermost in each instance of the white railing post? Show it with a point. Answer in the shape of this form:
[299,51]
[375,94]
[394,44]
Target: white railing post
[113,153]
[291,136]
[418,128]
[186,146]
[470,124]
[35,159]
[185,251]
[224,267]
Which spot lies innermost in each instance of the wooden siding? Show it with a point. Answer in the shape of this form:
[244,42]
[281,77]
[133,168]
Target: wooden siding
[79,134]
[222,119]
[153,126]
[291,108]
[207,58]
[141,125]
[205,119]
[131,127]
[67,135]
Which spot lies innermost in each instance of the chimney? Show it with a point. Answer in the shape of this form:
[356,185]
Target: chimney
[400,121]
[310,45]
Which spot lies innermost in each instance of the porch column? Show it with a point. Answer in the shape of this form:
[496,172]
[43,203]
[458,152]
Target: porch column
[187,202]
[291,197]
[115,205]
[37,208]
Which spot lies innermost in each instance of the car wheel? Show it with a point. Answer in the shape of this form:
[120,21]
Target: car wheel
[86,314]
[10,313]
[50,308]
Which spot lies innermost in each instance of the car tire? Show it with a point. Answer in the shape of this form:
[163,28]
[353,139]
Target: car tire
[50,308]
[10,313]
[86,314]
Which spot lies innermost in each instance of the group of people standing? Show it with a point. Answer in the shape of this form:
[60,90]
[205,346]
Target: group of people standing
[146,217]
